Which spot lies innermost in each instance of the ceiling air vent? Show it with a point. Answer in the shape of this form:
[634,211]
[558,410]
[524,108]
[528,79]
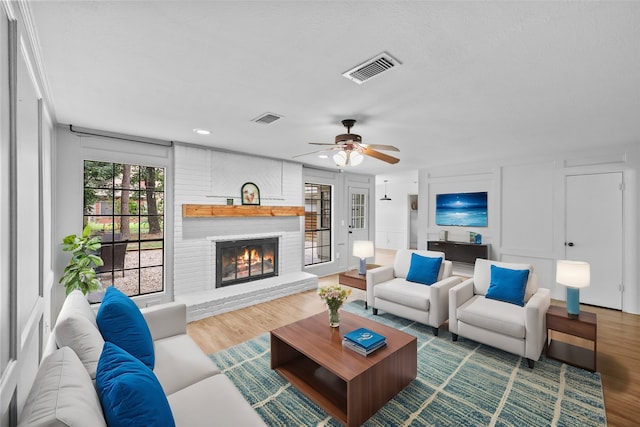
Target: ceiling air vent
[266,118]
[371,68]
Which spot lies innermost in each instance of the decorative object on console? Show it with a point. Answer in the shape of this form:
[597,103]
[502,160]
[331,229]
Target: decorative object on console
[574,275]
[250,194]
[462,209]
[334,296]
[385,198]
[363,249]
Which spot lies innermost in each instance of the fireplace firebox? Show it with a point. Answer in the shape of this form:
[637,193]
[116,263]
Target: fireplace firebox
[240,261]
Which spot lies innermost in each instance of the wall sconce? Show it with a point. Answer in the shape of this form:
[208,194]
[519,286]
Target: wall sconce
[574,275]
[363,249]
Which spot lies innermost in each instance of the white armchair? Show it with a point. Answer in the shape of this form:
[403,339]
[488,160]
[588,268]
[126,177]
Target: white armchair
[388,290]
[507,326]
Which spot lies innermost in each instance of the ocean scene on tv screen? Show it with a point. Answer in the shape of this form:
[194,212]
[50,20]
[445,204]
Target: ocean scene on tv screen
[463,209]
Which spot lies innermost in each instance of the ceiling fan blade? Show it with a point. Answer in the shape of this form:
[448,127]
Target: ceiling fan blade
[328,143]
[381,147]
[319,151]
[380,156]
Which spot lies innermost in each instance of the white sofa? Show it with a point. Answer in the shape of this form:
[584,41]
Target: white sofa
[507,326]
[64,394]
[388,290]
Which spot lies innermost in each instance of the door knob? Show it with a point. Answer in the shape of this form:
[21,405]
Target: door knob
[568,244]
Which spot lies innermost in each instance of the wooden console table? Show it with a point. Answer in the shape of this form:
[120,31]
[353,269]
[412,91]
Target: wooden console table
[459,251]
[585,327]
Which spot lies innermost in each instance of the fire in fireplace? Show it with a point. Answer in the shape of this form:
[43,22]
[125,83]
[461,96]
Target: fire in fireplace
[240,261]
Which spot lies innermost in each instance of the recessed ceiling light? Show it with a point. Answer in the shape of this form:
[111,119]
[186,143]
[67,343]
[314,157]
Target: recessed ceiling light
[323,156]
[202,131]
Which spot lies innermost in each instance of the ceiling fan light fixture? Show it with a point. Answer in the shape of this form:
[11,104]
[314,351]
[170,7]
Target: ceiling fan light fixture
[340,158]
[356,158]
[347,158]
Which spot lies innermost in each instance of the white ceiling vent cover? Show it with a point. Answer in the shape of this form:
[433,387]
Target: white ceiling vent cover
[371,68]
[266,118]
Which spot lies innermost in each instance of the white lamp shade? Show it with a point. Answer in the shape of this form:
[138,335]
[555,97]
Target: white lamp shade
[363,249]
[356,158]
[340,158]
[574,274]
[348,158]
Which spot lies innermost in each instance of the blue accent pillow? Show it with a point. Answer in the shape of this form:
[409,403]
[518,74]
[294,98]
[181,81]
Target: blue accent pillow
[507,285]
[121,322]
[424,269]
[129,391]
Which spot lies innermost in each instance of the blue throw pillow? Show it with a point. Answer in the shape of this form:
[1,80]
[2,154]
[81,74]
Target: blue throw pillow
[129,391]
[121,322]
[508,285]
[424,269]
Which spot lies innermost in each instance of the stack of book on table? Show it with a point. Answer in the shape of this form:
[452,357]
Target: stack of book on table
[363,341]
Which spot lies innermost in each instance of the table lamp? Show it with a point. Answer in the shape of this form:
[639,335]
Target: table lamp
[363,249]
[574,275]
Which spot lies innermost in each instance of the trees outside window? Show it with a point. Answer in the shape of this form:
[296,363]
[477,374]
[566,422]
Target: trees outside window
[124,205]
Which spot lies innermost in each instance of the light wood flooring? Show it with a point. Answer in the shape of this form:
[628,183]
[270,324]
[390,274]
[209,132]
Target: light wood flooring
[618,340]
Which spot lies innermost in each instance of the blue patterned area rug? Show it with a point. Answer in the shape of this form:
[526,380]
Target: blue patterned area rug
[459,384]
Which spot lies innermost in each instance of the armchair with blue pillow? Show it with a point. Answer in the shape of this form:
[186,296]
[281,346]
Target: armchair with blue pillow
[501,306]
[415,287]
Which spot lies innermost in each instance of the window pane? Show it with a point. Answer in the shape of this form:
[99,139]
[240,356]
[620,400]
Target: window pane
[152,227]
[151,280]
[99,224]
[126,176]
[124,204]
[318,207]
[98,174]
[152,257]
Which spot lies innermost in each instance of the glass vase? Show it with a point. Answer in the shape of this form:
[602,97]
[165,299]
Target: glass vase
[334,317]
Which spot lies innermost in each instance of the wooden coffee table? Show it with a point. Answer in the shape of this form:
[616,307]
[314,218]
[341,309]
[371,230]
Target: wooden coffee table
[350,387]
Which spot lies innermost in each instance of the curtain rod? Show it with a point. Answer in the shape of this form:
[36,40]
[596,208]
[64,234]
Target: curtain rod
[122,136]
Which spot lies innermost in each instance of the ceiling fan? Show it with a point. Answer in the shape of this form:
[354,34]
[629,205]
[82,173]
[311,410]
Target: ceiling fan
[351,149]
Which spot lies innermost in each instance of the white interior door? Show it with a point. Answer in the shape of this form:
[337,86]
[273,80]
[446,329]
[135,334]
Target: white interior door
[594,234]
[358,221]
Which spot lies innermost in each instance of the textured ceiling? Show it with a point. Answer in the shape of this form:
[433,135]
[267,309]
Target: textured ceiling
[478,80]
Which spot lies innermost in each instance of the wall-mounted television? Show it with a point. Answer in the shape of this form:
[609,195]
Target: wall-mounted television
[462,209]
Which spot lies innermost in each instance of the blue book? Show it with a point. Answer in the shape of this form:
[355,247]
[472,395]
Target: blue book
[364,338]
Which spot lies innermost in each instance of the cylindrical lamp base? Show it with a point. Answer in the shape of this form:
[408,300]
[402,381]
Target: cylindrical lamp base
[363,267]
[573,302]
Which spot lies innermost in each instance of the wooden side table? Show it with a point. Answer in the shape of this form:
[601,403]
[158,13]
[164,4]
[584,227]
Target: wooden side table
[355,280]
[585,326]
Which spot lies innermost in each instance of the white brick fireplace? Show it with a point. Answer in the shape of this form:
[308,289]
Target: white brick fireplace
[210,177]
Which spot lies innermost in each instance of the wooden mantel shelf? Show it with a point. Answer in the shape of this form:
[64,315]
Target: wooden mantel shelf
[213,211]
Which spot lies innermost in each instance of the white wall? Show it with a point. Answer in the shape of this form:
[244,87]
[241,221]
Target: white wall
[393,216]
[527,208]
[26,277]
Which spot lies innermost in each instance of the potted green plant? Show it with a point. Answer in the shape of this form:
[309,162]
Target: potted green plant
[81,273]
